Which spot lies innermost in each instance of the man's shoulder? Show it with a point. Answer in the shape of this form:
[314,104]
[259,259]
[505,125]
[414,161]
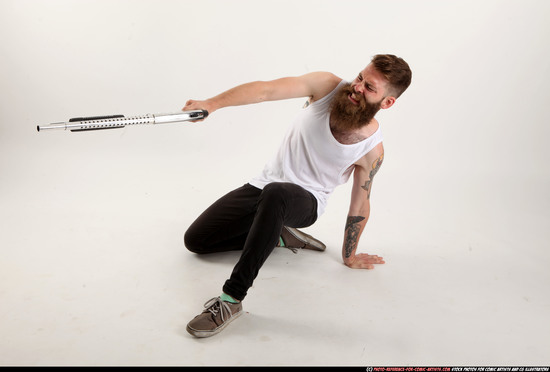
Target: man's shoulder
[326,78]
[323,83]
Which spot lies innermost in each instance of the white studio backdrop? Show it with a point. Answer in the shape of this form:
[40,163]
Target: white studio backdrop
[466,155]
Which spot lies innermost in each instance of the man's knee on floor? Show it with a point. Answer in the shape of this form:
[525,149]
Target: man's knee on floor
[193,242]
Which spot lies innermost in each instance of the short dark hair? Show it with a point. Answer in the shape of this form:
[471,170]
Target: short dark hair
[395,70]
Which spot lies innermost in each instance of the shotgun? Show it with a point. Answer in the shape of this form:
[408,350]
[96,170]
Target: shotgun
[119,121]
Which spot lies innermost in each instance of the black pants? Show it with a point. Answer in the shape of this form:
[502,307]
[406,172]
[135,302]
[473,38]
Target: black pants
[251,220]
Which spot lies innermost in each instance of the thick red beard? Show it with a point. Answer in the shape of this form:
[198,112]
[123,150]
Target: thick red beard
[345,115]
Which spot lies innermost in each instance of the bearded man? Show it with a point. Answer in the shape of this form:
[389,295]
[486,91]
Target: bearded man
[334,136]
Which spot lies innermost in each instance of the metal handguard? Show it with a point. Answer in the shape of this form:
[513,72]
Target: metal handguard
[119,121]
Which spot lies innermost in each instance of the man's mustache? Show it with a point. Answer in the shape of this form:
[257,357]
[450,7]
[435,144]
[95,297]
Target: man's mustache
[348,90]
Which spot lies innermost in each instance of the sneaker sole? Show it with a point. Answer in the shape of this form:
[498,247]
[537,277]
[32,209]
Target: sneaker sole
[313,243]
[215,331]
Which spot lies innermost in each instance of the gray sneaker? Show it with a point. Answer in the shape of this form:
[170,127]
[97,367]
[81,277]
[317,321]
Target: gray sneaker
[214,318]
[294,238]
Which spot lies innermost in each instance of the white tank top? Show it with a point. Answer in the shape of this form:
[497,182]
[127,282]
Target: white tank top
[311,157]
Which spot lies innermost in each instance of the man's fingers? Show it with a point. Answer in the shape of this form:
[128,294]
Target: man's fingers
[371,258]
[189,105]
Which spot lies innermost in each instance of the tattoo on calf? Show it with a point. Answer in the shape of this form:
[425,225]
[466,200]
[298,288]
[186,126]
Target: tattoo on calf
[352,234]
[375,167]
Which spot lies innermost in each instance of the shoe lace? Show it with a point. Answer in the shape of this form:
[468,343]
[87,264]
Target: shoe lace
[217,305]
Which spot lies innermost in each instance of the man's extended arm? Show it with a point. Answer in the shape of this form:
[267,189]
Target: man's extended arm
[315,85]
[359,212]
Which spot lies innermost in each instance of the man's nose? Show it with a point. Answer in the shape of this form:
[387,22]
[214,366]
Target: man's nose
[358,88]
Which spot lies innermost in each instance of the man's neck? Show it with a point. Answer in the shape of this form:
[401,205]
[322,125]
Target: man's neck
[353,136]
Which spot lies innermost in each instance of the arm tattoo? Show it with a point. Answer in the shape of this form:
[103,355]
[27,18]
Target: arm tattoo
[375,167]
[352,234]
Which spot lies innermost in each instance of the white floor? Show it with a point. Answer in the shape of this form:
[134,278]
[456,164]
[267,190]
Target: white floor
[94,272]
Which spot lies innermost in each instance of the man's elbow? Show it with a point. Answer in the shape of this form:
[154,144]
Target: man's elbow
[362,210]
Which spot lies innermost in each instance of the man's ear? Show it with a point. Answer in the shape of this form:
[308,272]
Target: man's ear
[387,102]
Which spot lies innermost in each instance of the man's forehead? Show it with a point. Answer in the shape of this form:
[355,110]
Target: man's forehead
[374,76]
